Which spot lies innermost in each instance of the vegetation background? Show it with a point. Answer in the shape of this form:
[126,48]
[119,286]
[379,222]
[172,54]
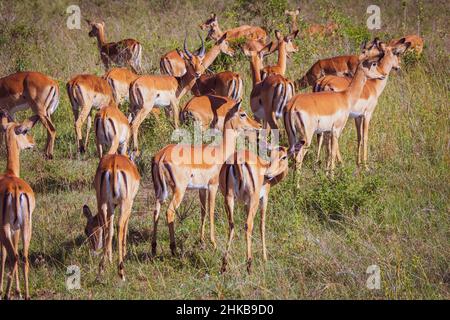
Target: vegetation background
[321,238]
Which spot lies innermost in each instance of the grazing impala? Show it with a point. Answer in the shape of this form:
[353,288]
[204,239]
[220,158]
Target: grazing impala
[247,32]
[209,110]
[163,90]
[285,46]
[17,204]
[362,111]
[269,97]
[248,179]
[86,91]
[111,128]
[123,53]
[34,90]
[322,29]
[415,40]
[197,167]
[340,66]
[310,113]
[226,84]
[116,184]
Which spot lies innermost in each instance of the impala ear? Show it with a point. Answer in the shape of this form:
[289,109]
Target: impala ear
[213,16]
[401,48]
[5,120]
[89,22]
[29,123]
[292,36]
[102,23]
[87,212]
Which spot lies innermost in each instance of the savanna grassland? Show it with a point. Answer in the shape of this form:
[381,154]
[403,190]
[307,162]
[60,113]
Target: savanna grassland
[322,237]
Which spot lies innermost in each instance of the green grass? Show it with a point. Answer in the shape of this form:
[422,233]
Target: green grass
[322,237]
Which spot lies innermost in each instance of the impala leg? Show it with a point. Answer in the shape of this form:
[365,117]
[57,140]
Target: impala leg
[114,145]
[125,211]
[26,237]
[12,262]
[88,129]
[334,146]
[251,211]
[366,140]
[202,194]
[263,205]
[80,118]
[51,135]
[126,236]
[174,204]
[212,203]
[319,146]
[136,123]
[16,239]
[359,134]
[110,233]
[103,215]
[99,150]
[155,225]
[176,113]
[2,268]
[229,207]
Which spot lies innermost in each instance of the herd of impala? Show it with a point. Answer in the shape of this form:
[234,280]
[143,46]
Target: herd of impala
[343,87]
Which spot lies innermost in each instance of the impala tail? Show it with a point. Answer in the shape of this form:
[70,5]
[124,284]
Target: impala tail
[159,181]
[282,93]
[235,88]
[52,100]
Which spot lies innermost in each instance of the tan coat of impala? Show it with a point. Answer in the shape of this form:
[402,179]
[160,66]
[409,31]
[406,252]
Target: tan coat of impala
[111,128]
[16,206]
[122,53]
[226,84]
[245,31]
[85,92]
[248,178]
[363,110]
[182,167]
[270,96]
[209,111]
[151,91]
[285,46]
[35,91]
[311,113]
[340,66]
[116,183]
[415,40]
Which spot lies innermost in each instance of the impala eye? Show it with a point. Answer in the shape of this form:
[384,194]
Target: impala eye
[243,115]
[283,157]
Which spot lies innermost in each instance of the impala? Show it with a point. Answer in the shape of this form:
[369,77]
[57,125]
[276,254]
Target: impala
[245,31]
[269,97]
[209,110]
[293,14]
[362,111]
[248,179]
[17,204]
[285,46]
[116,184]
[197,167]
[310,113]
[86,91]
[163,90]
[340,66]
[226,84]
[123,53]
[111,128]
[34,90]
[415,40]
[322,30]
[119,80]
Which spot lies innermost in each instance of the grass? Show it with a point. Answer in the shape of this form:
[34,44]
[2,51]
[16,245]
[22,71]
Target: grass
[321,238]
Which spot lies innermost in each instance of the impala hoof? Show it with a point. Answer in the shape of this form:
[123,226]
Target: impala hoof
[82,149]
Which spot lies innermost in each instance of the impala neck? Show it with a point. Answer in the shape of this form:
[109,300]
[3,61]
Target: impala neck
[186,82]
[101,38]
[282,57]
[385,66]
[255,65]
[211,55]
[216,33]
[13,162]
[228,146]
[355,88]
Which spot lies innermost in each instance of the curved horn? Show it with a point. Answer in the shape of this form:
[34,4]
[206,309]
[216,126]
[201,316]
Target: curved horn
[186,50]
[202,50]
